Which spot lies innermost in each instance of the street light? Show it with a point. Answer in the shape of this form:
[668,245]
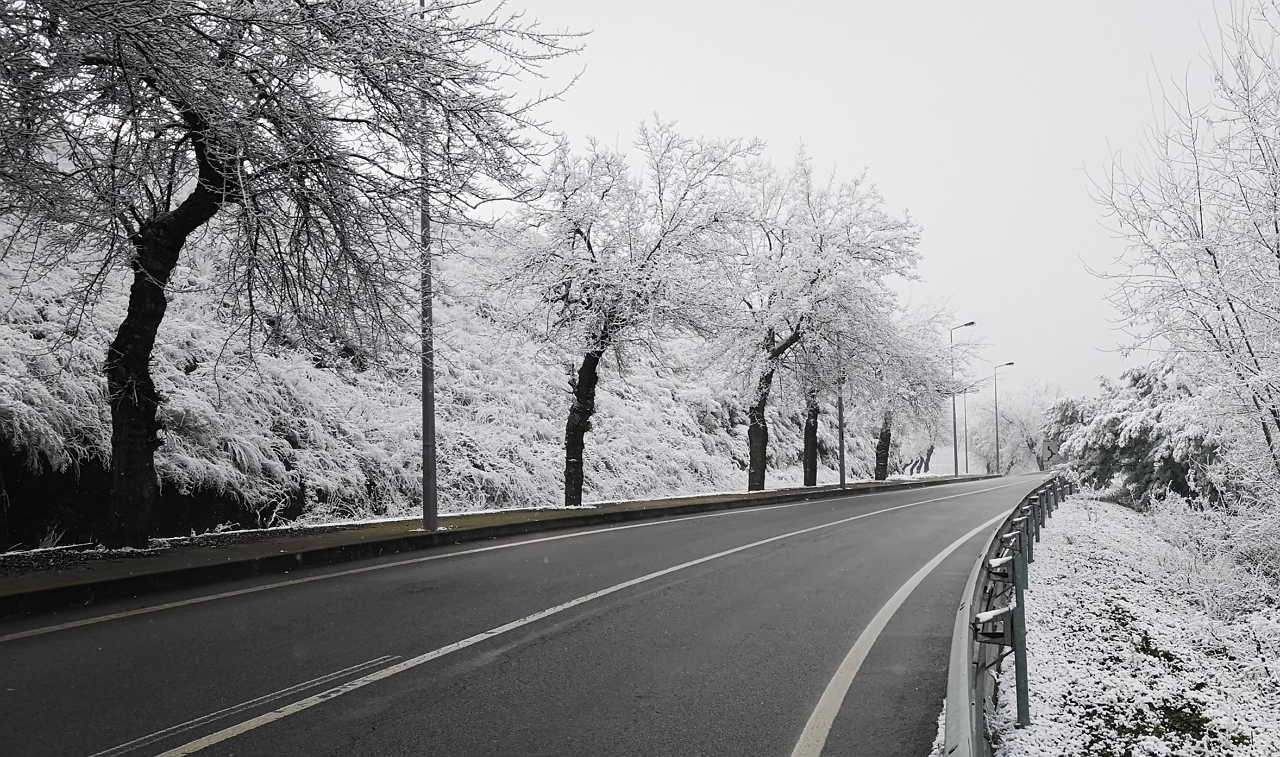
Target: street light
[430,512]
[955,433]
[995,386]
[964,407]
[964,411]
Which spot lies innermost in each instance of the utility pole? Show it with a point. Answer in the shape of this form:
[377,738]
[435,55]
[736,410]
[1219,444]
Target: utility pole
[430,516]
[955,435]
[964,401]
[995,387]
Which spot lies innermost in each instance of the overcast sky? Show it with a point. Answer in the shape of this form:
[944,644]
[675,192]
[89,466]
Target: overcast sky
[985,120]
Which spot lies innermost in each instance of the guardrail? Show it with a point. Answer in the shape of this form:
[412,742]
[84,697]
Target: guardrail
[990,625]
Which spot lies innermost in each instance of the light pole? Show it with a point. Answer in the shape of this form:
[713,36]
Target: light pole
[964,406]
[955,432]
[840,405]
[430,521]
[995,387]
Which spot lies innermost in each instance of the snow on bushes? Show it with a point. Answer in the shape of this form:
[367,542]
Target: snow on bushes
[278,437]
[1132,651]
[1146,434]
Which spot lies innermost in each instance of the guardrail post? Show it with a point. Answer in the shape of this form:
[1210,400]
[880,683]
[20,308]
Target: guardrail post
[1019,623]
[1019,575]
[1034,502]
[1030,526]
[1023,522]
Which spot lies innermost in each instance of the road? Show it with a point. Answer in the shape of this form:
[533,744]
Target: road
[740,632]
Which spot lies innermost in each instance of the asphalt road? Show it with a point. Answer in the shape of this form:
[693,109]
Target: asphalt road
[714,634]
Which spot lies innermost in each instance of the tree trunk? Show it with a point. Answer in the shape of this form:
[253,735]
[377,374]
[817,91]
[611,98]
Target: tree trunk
[809,455]
[758,433]
[882,447]
[928,455]
[135,489]
[579,423]
[1031,450]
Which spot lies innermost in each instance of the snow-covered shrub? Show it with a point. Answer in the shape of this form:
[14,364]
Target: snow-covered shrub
[1228,557]
[1143,435]
[256,437]
[1122,657]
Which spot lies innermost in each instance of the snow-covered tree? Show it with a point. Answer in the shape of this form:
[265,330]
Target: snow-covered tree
[290,137]
[621,255]
[1201,215]
[1144,435]
[1025,418]
[813,262]
[907,379]
[1061,420]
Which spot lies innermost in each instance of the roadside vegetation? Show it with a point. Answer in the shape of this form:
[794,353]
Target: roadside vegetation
[214,222]
[1197,431]
[1153,625]
[1138,646]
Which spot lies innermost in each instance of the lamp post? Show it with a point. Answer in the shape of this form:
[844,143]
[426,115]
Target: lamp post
[955,432]
[840,406]
[430,520]
[995,387]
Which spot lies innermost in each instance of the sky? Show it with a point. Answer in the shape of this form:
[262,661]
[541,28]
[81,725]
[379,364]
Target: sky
[989,122]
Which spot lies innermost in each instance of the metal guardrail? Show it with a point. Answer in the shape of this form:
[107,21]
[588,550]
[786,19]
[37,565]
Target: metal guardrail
[990,625]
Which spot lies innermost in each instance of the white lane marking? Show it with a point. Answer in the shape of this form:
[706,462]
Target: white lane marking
[384,566]
[814,736]
[413,662]
[236,709]
[355,571]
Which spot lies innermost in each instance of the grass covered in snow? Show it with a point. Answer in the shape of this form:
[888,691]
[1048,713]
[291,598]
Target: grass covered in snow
[1131,651]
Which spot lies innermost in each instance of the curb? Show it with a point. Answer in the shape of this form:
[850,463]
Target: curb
[82,594]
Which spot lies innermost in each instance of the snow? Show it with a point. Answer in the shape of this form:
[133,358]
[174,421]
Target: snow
[1125,656]
[269,426]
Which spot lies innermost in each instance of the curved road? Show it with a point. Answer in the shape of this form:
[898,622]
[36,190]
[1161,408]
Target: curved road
[818,627]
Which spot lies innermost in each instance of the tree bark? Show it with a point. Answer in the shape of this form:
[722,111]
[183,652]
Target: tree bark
[758,433]
[757,427]
[1031,450]
[882,447]
[928,455]
[579,423]
[135,488]
[809,455]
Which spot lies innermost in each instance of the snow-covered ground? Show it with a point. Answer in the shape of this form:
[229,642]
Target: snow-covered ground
[1125,657]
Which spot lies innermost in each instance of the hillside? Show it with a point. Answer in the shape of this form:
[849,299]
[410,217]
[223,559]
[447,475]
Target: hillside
[260,437]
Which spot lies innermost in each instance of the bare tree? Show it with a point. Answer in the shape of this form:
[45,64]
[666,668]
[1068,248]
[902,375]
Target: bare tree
[289,136]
